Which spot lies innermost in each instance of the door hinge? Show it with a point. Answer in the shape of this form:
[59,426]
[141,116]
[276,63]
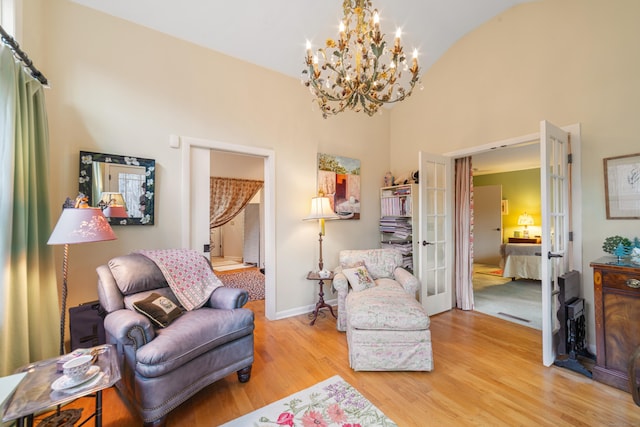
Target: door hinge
[571,236]
[570,158]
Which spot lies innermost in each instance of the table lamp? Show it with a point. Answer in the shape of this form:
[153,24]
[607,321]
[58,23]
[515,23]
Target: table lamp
[77,225]
[526,220]
[321,210]
[114,205]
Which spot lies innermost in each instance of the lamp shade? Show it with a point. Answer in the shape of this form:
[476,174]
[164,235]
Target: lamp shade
[525,219]
[321,209]
[108,198]
[83,225]
[115,211]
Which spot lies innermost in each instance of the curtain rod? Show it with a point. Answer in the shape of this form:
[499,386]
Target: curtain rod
[22,56]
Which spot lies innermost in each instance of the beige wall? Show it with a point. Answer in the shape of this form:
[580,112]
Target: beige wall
[124,89]
[567,61]
[229,165]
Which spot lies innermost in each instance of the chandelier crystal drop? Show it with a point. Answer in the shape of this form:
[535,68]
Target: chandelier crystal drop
[359,71]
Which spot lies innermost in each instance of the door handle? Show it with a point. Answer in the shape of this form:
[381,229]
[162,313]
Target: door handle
[497,229]
[633,283]
[552,255]
[425,243]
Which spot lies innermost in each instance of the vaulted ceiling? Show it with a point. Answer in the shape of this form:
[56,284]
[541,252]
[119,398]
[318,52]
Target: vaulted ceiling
[273,33]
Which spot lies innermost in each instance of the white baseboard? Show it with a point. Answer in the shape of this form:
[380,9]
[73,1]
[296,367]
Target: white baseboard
[306,309]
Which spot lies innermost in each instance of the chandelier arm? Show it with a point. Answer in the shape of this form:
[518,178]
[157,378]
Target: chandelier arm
[397,99]
[313,81]
[318,88]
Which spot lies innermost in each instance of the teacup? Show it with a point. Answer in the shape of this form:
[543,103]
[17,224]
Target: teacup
[77,367]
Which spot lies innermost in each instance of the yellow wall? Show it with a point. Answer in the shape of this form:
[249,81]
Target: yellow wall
[521,190]
[566,61]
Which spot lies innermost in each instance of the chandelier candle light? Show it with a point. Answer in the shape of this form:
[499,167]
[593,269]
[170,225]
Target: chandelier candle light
[359,71]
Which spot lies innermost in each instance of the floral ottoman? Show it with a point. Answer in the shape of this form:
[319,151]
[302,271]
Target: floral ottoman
[387,330]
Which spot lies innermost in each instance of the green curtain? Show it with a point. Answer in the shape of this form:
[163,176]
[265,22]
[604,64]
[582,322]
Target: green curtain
[29,310]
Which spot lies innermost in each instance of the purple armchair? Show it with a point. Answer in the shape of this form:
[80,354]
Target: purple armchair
[164,366]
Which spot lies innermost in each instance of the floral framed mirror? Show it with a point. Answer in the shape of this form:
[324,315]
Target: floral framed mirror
[123,186]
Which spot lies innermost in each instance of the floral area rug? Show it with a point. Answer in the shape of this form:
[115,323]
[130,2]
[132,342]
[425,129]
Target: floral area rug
[249,279]
[330,403]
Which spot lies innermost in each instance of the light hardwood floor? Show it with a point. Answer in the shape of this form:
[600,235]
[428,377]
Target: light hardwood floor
[487,372]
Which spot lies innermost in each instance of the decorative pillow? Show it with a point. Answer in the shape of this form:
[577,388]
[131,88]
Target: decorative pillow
[359,278]
[352,264]
[159,309]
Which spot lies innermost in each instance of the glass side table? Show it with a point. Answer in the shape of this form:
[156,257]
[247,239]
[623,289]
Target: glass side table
[34,394]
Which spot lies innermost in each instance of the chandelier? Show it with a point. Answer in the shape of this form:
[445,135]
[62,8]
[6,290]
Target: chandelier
[359,71]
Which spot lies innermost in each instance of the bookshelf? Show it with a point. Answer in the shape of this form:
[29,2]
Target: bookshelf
[398,221]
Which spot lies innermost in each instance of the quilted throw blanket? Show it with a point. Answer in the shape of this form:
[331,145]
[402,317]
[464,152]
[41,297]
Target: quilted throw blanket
[188,273]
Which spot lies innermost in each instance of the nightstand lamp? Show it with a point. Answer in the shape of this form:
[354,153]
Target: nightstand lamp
[321,210]
[526,220]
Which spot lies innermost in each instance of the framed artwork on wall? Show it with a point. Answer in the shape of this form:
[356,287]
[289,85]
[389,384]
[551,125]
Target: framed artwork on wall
[339,180]
[622,186]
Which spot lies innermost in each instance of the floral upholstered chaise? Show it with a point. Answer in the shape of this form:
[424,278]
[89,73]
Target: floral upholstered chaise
[387,328]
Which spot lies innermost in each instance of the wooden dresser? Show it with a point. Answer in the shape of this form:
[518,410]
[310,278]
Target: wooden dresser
[617,313]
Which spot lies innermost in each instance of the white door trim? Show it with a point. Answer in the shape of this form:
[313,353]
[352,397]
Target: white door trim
[269,156]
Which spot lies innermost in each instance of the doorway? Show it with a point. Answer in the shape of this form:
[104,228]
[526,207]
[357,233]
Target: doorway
[195,201]
[240,240]
[574,256]
[238,243]
[502,191]
[487,224]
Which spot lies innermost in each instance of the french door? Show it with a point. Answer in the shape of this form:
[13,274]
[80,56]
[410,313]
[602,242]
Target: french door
[556,251]
[435,243]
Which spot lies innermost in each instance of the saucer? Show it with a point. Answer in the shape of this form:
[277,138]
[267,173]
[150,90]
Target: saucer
[65,382]
[84,386]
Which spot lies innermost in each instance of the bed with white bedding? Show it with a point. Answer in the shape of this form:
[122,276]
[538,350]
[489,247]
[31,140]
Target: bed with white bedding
[521,260]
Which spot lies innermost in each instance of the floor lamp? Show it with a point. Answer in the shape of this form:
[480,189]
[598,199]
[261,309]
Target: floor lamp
[321,210]
[77,225]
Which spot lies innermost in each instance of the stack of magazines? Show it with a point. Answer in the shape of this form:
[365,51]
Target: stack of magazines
[397,234]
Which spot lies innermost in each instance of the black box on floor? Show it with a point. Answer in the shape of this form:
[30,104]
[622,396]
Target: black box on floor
[86,324]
